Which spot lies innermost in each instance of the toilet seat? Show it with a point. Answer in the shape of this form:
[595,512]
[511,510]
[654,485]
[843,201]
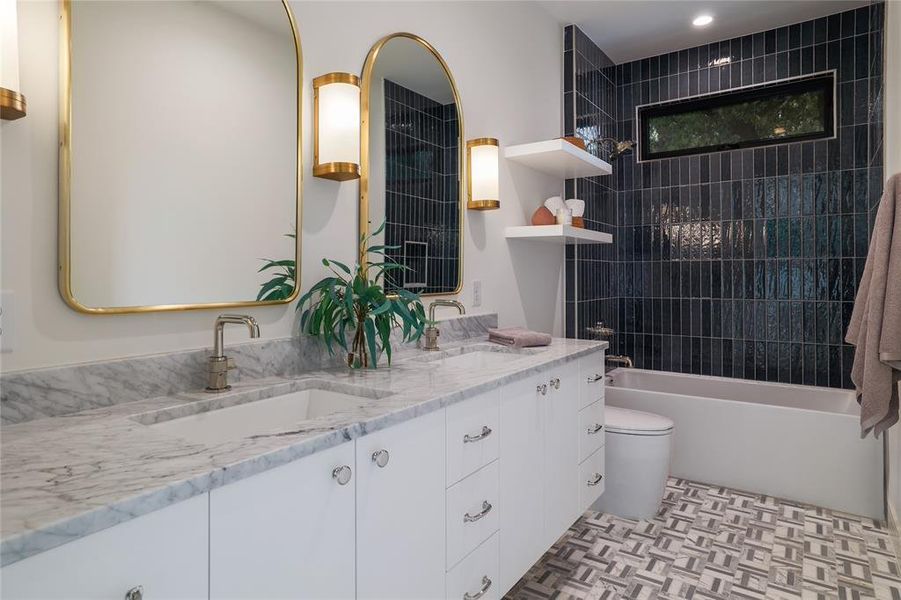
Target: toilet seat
[634,422]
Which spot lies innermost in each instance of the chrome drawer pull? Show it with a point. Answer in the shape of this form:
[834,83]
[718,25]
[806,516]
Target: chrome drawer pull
[486,431]
[597,427]
[342,474]
[380,458]
[597,377]
[486,508]
[486,585]
[135,593]
[596,480]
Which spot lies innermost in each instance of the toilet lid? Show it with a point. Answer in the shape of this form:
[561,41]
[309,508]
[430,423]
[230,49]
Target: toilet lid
[623,420]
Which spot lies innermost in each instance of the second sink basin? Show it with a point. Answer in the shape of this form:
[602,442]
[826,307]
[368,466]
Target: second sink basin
[282,414]
[476,357]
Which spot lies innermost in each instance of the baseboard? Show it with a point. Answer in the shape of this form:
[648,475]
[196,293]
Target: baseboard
[894,523]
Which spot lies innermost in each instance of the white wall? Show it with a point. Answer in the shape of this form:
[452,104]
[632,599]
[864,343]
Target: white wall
[506,58]
[893,165]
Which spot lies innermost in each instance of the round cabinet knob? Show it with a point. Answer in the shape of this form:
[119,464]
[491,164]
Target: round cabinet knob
[342,474]
[135,593]
[542,389]
[380,458]
[555,383]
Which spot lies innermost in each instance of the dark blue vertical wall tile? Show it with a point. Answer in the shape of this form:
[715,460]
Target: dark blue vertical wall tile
[741,263]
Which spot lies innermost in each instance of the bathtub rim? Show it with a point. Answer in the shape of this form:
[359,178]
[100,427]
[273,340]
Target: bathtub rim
[692,376]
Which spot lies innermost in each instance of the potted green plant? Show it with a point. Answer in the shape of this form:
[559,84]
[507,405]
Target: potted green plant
[353,302]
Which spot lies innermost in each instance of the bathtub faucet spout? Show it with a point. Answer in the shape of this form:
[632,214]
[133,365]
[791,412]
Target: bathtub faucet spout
[620,360]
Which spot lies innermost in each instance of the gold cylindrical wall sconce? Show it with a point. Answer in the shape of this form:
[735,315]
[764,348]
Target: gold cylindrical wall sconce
[482,169]
[336,126]
[12,102]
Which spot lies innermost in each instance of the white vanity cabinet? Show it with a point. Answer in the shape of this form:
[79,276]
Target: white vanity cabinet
[458,503]
[401,510]
[541,487]
[561,451]
[520,472]
[287,532]
[592,429]
[163,554]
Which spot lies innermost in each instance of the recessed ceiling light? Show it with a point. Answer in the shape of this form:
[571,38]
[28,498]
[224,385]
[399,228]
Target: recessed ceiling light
[702,21]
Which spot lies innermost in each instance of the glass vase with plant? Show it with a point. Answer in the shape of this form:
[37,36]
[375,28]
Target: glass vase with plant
[352,303]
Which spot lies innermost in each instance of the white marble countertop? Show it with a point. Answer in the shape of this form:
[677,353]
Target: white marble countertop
[63,478]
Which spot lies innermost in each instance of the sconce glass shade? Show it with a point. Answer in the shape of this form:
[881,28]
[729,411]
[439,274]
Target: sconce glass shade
[482,167]
[12,103]
[336,122]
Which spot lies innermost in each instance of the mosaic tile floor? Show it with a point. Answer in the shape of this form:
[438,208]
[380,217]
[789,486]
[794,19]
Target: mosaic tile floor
[711,542]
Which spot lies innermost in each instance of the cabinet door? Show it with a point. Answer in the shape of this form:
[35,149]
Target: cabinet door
[561,456]
[164,552]
[287,532]
[401,510]
[522,540]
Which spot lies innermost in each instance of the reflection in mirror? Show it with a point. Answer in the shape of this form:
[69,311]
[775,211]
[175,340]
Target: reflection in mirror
[182,154]
[413,184]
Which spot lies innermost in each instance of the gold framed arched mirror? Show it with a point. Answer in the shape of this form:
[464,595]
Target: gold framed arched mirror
[411,171]
[180,155]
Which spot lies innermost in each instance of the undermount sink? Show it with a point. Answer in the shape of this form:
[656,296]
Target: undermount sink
[283,414]
[475,360]
[475,357]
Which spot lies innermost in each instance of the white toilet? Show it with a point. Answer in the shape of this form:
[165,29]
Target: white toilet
[637,463]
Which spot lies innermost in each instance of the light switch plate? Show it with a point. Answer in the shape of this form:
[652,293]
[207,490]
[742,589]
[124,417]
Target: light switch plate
[477,293]
[7,331]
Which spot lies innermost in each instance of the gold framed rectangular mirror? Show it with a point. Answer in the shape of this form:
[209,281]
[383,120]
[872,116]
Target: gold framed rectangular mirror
[180,174]
[411,170]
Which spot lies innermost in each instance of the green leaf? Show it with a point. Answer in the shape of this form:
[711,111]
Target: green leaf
[272,284]
[272,264]
[380,229]
[349,298]
[369,330]
[340,265]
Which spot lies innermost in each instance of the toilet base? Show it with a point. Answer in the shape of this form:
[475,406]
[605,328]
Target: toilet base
[637,467]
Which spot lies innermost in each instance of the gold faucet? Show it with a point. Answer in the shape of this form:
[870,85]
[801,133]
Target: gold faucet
[431,332]
[218,364]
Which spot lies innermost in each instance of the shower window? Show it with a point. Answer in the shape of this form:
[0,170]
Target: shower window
[790,111]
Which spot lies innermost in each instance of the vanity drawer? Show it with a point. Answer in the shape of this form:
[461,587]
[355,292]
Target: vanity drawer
[472,434]
[591,429]
[472,507]
[591,378]
[477,572]
[591,479]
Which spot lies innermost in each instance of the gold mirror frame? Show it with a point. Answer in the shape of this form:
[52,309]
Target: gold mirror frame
[64,267]
[365,91]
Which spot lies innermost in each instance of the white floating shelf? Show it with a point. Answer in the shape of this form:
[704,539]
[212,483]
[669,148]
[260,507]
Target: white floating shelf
[558,157]
[558,234]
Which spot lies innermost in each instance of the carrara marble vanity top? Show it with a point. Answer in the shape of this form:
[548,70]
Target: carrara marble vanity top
[66,477]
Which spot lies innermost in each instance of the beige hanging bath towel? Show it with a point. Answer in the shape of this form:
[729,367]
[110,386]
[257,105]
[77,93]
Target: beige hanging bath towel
[875,328]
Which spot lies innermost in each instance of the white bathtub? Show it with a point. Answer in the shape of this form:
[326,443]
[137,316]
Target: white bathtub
[792,441]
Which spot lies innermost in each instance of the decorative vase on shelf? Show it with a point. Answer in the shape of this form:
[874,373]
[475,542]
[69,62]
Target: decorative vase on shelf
[542,216]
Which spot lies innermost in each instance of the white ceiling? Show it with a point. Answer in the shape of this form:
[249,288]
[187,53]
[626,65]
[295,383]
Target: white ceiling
[630,29]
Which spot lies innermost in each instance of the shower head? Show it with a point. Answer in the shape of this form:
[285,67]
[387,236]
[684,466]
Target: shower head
[618,147]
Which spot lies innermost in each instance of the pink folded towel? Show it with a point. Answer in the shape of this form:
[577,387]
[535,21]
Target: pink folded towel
[518,337]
